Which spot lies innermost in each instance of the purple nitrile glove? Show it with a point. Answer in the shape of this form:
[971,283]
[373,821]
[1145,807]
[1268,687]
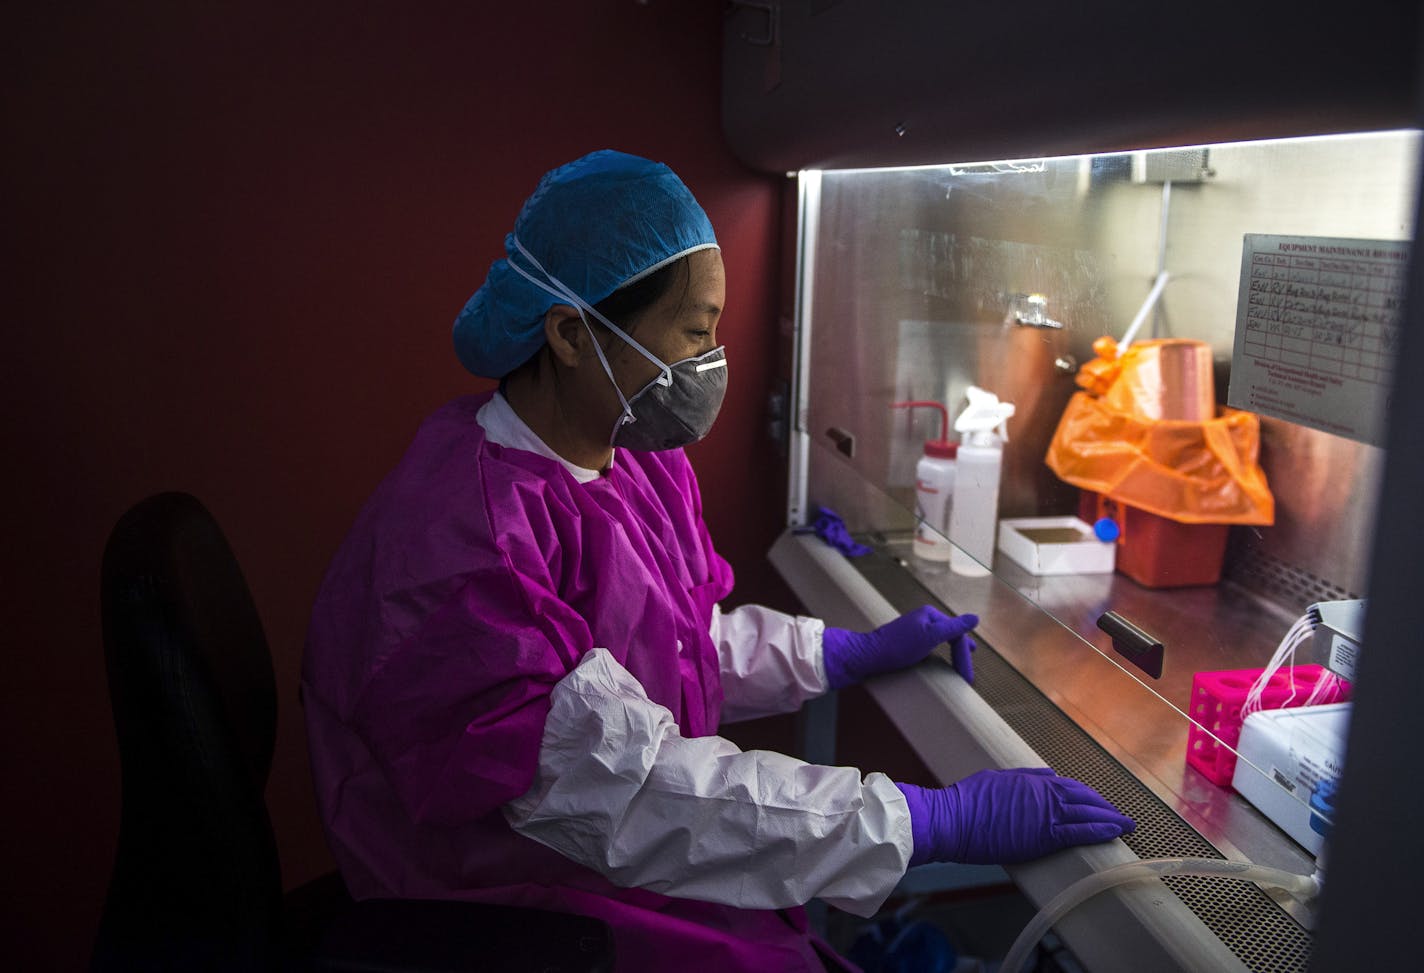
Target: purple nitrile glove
[829,527]
[998,817]
[853,656]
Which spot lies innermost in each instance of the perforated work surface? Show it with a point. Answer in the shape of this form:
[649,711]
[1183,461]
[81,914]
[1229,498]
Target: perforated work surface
[1259,932]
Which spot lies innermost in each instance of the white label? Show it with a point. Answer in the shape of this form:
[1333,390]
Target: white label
[1343,653]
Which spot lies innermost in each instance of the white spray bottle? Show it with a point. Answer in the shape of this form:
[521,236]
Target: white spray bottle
[973,522]
[934,489]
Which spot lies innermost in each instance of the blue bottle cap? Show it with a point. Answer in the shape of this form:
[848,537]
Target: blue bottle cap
[1106,529]
[1322,807]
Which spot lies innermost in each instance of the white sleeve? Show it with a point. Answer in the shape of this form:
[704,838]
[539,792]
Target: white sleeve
[622,792]
[770,661]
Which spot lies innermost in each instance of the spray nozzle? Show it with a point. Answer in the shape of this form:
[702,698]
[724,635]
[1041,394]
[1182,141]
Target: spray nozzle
[941,447]
[985,416]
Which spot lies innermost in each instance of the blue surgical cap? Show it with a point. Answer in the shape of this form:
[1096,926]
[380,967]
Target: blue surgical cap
[595,225]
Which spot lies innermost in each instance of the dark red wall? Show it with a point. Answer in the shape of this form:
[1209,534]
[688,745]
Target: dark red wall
[236,239]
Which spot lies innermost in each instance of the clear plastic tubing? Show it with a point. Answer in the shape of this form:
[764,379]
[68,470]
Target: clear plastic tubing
[1304,887]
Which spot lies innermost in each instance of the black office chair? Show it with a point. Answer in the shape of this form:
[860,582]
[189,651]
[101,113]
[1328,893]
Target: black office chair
[196,882]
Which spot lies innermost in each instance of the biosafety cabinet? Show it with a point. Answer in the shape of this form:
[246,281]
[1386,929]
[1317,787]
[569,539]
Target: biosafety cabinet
[1179,243]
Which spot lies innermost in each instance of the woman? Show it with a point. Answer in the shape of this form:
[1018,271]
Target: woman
[518,661]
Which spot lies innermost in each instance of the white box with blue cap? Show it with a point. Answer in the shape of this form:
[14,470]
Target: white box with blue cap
[1290,767]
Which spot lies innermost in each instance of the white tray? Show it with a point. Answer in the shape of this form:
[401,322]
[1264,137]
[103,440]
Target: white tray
[1055,545]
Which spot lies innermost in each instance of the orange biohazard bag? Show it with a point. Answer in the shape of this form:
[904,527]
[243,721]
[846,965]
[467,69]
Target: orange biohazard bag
[1116,438]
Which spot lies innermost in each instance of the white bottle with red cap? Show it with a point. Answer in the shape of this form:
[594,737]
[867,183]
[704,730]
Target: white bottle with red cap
[934,490]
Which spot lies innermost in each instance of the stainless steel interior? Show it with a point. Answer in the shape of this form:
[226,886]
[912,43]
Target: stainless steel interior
[917,274]
[917,283]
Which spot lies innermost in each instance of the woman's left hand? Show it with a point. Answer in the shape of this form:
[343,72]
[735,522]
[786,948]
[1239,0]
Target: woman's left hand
[851,657]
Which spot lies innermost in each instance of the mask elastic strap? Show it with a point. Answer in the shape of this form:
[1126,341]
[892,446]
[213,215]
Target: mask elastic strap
[560,290]
[627,415]
[563,293]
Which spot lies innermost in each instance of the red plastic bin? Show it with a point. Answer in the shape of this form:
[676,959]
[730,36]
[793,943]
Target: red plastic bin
[1157,552]
[1217,698]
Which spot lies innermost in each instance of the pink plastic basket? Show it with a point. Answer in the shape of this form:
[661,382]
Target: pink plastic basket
[1217,698]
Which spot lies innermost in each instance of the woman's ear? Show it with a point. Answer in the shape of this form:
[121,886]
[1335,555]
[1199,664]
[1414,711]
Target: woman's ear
[567,337]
